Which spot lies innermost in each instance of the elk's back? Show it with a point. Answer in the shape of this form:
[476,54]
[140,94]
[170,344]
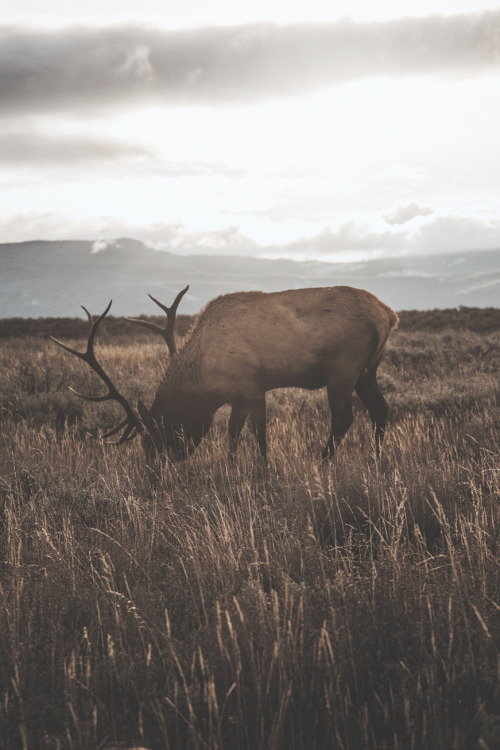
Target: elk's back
[258,341]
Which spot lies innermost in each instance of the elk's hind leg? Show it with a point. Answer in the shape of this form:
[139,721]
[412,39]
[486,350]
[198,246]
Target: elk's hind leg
[369,392]
[340,401]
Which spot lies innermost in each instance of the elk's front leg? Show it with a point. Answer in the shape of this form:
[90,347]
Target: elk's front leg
[239,413]
[258,424]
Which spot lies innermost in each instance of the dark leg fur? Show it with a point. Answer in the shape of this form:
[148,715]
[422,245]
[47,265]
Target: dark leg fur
[236,423]
[258,425]
[342,418]
[369,392]
[239,414]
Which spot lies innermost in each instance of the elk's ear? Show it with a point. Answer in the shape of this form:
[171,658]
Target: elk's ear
[150,424]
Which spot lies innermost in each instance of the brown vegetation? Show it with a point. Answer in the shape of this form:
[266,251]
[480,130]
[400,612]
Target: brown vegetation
[350,605]
[482,320]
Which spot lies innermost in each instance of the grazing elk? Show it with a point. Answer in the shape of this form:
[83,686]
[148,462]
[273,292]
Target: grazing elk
[247,343]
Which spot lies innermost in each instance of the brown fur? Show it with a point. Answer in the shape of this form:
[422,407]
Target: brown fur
[247,343]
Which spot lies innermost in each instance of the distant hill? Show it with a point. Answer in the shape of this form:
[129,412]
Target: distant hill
[52,279]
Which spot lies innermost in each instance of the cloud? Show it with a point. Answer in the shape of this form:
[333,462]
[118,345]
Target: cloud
[449,234]
[99,245]
[37,147]
[116,66]
[137,64]
[403,214]
[31,148]
[172,237]
[443,234]
[349,237]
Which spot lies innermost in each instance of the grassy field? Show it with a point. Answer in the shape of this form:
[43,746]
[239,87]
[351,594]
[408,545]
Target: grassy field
[347,605]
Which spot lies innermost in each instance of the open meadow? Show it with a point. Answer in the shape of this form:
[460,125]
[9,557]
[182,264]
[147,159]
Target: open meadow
[353,604]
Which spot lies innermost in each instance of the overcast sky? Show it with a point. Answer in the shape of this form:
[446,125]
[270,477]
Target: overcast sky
[327,129]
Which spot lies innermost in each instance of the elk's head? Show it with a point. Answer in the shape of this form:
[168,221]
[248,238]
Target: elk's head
[158,435]
[169,435]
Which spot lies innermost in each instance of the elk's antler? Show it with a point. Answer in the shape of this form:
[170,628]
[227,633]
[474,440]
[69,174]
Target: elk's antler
[131,425]
[168,331]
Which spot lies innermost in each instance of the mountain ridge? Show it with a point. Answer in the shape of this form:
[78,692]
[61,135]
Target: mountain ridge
[52,278]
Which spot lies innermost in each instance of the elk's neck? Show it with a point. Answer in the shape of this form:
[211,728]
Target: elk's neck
[182,391]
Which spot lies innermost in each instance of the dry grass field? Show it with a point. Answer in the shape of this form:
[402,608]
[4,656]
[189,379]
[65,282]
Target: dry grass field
[208,605]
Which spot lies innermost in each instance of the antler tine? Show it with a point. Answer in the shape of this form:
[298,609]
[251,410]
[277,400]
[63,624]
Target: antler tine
[171,313]
[93,330]
[148,324]
[173,308]
[95,399]
[168,331]
[90,342]
[116,429]
[132,422]
[129,434]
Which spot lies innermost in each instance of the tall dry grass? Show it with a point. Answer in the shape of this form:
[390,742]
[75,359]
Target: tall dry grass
[347,605]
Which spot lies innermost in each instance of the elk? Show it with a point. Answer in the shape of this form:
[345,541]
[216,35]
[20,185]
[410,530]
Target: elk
[247,343]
